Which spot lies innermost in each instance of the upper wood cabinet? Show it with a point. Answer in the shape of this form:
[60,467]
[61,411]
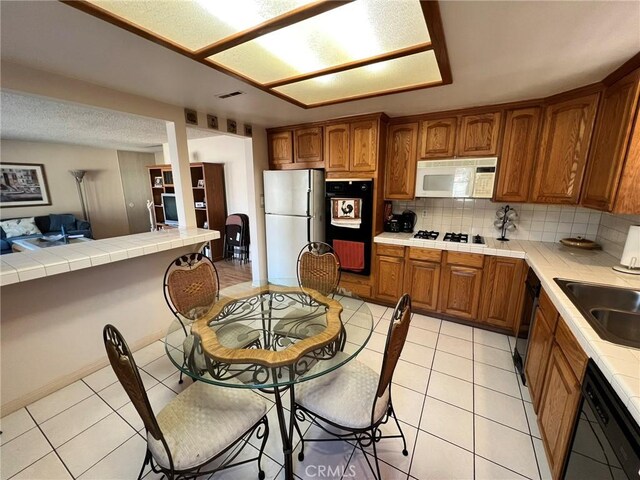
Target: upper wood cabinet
[400,170]
[613,175]
[478,135]
[562,155]
[364,146]
[438,137]
[518,154]
[336,147]
[502,291]
[280,147]
[307,145]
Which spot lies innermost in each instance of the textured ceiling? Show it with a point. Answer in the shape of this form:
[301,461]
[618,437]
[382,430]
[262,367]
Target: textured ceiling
[499,52]
[39,119]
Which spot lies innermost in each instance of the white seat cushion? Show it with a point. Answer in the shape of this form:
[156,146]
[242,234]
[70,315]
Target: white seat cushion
[231,335]
[344,396]
[202,421]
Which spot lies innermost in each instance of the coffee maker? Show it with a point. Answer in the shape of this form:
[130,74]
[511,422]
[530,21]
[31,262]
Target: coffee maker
[408,220]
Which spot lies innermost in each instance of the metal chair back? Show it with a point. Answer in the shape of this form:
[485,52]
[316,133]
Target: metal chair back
[319,268]
[191,286]
[396,337]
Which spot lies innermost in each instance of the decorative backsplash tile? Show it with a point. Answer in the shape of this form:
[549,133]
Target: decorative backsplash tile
[547,223]
[613,232]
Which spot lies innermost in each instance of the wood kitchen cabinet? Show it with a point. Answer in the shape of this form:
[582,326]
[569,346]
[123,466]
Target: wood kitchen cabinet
[558,409]
[422,277]
[561,160]
[364,146]
[438,137]
[336,147]
[307,145]
[613,172]
[478,135]
[400,170]
[518,154]
[502,291]
[389,271]
[280,148]
[461,284]
[538,350]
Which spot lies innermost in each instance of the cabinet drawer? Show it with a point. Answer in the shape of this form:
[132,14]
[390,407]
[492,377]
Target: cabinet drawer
[425,254]
[360,289]
[547,307]
[389,250]
[572,350]
[475,260]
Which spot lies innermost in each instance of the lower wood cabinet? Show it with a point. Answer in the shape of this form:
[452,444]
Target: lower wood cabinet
[389,277]
[538,350]
[558,409]
[502,292]
[422,282]
[460,291]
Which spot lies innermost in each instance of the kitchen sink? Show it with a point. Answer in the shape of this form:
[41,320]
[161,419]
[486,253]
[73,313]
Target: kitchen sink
[613,312]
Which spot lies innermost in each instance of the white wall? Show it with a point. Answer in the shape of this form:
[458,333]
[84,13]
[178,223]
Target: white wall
[102,183]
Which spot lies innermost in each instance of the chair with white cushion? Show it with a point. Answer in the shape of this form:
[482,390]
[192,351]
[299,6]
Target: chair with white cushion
[202,424]
[352,402]
[191,289]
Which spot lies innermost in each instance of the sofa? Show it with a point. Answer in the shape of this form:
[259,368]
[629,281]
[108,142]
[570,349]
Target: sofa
[48,225]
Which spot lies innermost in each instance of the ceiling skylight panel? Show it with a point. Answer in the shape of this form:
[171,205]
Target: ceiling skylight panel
[416,70]
[356,31]
[195,24]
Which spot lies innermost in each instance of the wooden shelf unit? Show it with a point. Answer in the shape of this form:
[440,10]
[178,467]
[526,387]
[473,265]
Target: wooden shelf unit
[214,214]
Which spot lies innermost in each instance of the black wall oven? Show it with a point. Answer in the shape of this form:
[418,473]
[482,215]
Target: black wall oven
[351,243]
[606,438]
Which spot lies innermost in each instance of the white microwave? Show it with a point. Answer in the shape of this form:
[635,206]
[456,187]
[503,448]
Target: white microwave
[458,178]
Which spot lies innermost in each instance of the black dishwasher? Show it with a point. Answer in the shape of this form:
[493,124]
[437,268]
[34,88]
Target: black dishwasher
[606,438]
[530,303]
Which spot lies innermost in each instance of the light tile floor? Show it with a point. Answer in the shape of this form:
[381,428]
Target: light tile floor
[464,413]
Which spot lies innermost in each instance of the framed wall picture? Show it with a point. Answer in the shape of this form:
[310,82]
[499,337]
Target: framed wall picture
[248,130]
[212,122]
[157,181]
[232,126]
[190,116]
[23,185]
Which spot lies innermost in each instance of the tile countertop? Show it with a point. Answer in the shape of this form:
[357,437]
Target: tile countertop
[621,365]
[31,264]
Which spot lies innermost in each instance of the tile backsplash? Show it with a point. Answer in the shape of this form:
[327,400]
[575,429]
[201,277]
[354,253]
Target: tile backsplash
[547,223]
[613,232]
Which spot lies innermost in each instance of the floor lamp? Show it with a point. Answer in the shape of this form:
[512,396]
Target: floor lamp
[79,176]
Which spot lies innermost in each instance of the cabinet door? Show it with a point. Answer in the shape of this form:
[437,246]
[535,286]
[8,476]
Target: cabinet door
[502,292]
[390,272]
[518,154]
[437,138]
[364,146]
[563,150]
[422,281]
[280,148]
[540,342]
[610,140]
[460,292]
[558,409]
[400,174]
[478,135]
[308,145]
[336,147]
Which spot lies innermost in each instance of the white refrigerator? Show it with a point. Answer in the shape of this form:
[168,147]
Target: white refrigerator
[294,216]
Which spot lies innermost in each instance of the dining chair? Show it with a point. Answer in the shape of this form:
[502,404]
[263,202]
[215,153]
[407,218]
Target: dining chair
[191,289]
[354,399]
[202,424]
[318,268]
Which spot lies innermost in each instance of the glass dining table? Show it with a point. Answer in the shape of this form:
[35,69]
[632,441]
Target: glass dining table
[268,338]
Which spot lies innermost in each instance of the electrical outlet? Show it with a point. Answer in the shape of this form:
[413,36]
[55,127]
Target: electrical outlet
[424,214]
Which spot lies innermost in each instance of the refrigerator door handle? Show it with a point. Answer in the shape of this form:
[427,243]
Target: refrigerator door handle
[309,230]
[310,185]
